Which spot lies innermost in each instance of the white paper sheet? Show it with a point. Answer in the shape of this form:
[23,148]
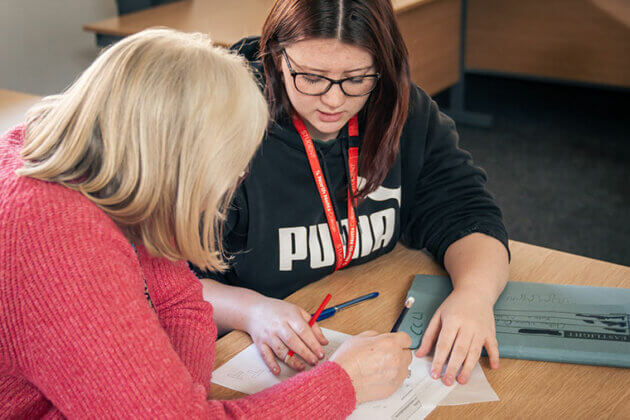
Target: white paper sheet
[477,390]
[417,397]
[247,372]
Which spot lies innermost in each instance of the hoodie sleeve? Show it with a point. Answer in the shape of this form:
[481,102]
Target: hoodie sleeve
[444,194]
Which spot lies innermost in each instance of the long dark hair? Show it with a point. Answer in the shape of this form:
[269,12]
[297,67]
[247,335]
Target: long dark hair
[369,24]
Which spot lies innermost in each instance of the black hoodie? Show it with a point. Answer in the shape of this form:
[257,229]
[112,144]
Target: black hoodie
[277,233]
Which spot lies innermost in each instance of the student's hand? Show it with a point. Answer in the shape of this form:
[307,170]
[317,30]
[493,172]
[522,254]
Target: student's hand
[277,326]
[377,364]
[462,326]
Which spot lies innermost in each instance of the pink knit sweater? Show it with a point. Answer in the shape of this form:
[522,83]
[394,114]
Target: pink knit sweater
[78,337]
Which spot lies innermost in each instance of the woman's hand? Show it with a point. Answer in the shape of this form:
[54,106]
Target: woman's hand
[277,326]
[462,326]
[377,364]
[464,323]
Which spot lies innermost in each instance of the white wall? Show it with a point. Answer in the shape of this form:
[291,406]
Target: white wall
[42,44]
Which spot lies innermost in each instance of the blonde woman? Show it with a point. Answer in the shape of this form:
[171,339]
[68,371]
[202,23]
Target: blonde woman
[104,190]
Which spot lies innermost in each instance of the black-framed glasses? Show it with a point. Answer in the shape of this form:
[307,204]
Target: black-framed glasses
[317,85]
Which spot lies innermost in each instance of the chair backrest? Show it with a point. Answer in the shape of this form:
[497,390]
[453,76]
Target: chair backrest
[130,6]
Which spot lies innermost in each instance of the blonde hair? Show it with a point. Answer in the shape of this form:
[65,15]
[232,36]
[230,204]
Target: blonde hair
[156,132]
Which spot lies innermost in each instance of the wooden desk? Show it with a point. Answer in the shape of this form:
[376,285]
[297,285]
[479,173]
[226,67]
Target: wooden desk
[527,389]
[13,107]
[430,28]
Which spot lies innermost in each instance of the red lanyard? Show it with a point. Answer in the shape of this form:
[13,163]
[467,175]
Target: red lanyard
[353,159]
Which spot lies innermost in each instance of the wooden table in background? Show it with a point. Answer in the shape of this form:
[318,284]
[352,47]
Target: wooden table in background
[585,41]
[13,107]
[527,389]
[430,28]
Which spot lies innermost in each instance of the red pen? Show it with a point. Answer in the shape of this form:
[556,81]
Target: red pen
[312,321]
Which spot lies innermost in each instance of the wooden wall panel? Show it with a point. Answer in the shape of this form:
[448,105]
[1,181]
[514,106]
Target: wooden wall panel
[576,40]
[431,32]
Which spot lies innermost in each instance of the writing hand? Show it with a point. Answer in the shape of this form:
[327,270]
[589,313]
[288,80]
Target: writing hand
[277,326]
[376,363]
[461,326]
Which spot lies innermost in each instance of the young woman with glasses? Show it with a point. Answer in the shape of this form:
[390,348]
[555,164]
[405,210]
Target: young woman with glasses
[357,158]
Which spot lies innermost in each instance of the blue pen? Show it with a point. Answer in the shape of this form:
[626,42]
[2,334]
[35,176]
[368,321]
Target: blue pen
[328,312]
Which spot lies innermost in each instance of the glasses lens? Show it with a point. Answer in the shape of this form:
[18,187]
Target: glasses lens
[360,85]
[311,84]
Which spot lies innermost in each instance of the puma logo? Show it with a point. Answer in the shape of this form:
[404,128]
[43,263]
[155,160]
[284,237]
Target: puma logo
[313,243]
[381,193]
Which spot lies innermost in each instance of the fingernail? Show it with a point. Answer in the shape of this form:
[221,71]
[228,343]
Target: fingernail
[434,374]
[321,355]
[463,380]
[276,370]
[314,361]
[448,380]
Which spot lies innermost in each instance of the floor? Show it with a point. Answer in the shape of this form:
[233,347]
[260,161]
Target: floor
[558,162]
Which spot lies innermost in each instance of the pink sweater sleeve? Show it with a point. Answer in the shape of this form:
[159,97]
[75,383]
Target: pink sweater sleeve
[80,329]
[183,314]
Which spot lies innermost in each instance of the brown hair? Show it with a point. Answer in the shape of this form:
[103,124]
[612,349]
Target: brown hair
[369,24]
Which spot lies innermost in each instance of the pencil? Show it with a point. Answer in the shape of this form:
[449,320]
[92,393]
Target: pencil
[312,321]
[408,304]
